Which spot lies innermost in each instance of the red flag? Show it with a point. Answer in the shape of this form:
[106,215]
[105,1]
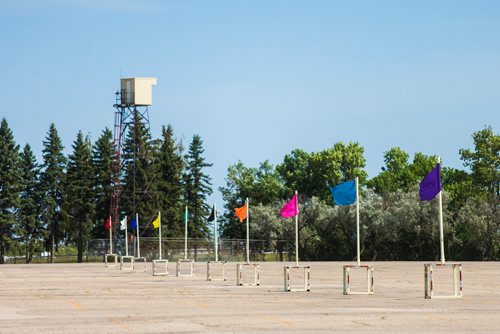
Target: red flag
[290,209]
[108,223]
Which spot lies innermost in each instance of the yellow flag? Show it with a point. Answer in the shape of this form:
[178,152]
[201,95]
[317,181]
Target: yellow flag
[156,222]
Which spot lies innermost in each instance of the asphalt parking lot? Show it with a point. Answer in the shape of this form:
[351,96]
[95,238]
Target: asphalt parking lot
[90,298]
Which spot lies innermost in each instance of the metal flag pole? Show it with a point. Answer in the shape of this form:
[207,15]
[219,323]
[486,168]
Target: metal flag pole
[216,234]
[296,229]
[357,221]
[126,237]
[110,236]
[137,232]
[248,233]
[441,233]
[185,232]
[159,227]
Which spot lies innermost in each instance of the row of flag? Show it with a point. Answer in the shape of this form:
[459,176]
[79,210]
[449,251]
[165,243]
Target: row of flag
[345,194]
[430,186]
[342,194]
[133,223]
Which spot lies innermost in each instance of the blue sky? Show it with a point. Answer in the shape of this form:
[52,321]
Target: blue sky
[257,79]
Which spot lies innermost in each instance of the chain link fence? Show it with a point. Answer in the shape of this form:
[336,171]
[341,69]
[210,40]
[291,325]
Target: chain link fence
[197,249]
[201,250]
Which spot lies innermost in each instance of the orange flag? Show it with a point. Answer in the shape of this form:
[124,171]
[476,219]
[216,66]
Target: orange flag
[241,213]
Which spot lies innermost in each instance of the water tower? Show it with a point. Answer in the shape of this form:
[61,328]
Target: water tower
[134,98]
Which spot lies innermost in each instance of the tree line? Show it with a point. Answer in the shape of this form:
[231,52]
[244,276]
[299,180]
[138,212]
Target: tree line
[65,200]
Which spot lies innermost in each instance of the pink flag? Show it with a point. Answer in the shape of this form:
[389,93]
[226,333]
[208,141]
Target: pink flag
[290,209]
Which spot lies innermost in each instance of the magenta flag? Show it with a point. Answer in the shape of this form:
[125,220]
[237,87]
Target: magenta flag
[290,209]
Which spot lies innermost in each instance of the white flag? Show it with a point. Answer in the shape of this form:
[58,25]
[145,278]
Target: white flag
[123,224]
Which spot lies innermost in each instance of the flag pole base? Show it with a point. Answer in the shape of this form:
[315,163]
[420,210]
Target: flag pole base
[347,280]
[178,271]
[210,277]
[123,262]
[142,259]
[157,270]
[307,279]
[112,256]
[429,287]
[256,274]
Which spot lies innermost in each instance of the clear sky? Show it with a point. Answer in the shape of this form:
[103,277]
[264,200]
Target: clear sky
[258,78]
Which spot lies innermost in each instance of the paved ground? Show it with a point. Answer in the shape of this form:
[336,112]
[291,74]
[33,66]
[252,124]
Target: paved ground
[89,298]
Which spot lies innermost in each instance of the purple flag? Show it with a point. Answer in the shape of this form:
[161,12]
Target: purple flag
[430,185]
[290,209]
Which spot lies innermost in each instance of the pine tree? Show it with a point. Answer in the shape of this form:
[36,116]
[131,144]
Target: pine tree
[140,175]
[170,183]
[9,186]
[103,171]
[52,180]
[30,227]
[197,186]
[79,204]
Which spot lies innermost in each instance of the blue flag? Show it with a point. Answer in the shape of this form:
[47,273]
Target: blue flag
[344,193]
[430,185]
[133,224]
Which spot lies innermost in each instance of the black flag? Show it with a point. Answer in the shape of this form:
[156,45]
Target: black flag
[212,215]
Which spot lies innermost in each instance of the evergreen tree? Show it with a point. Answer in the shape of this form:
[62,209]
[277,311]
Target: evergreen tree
[30,227]
[170,183]
[9,186]
[140,175]
[52,181]
[197,186]
[103,171]
[79,205]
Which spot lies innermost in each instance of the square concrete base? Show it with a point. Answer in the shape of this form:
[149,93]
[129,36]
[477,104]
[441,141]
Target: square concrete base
[210,270]
[347,280]
[240,270]
[429,280]
[288,287]
[157,270]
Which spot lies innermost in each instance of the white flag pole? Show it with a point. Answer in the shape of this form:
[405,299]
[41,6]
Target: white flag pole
[216,234]
[441,233]
[185,232]
[159,227]
[126,237]
[110,236]
[137,232]
[297,229]
[248,233]
[357,220]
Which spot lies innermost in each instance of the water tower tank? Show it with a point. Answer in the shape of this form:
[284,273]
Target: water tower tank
[137,91]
